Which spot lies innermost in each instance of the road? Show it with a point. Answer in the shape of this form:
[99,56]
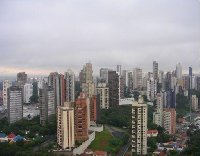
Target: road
[119,133]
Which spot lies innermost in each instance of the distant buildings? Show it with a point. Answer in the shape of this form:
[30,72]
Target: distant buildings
[15,101]
[65,126]
[179,71]
[28,92]
[139,128]
[6,85]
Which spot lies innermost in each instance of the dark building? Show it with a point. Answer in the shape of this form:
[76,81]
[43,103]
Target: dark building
[186,82]
[130,82]
[168,78]
[46,104]
[22,77]
[198,83]
[122,87]
[171,99]
[113,85]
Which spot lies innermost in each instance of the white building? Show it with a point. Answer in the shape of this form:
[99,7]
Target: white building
[70,86]
[158,115]
[103,91]
[28,92]
[15,100]
[151,89]
[139,127]
[195,106]
[65,126]
[179,71]
[6,85]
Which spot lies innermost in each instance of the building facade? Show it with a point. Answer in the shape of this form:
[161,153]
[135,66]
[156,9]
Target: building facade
[139,127]
[169,120]
[6,85]
[65,126]
[28,92]
[103,91]
[15,104]
[70,86]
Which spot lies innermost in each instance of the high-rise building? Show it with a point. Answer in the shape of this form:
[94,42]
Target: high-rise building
[195,105]
[70,86]
[47,104]
[121,87]
[170,99]
[137,78]
[119,70]
[198,83]
[85,75]
[103,92]
[22,77]
[88,89]
[139,127]
[169,120]
[65,126]
[168,78]
[179,71]
[151,89]
[93,108]
[186,82]
[104,74]
[113,85]
[28,92]
[158,115]
[130,81]
[155,70]
[82,118]
[6,85]
[15,101]
[57,82]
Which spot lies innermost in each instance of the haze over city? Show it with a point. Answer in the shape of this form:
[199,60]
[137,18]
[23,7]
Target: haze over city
[43,36]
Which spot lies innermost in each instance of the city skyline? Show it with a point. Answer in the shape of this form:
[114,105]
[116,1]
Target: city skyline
[40,37]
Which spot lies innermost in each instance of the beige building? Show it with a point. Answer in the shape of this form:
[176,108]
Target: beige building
[103,91]
[6,85]
[65,126]
[169,120]
[88,89]
[194,103]
[139,127]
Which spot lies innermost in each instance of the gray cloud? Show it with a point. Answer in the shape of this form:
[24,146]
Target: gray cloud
[52,35]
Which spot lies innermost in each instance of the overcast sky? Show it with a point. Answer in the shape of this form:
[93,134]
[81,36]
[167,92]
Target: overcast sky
[40,36]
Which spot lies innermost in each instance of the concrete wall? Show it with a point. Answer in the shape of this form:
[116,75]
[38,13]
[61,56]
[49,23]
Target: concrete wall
[79,150]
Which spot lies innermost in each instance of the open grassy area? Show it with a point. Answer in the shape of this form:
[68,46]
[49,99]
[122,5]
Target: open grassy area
[106,142]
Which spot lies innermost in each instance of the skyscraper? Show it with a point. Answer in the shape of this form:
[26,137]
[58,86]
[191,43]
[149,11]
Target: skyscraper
[65,126]
[15,101]
[194,103]
[113,85]
[103,92]
[85,75]
[47,104]
[104,74]
[169,120]
[119,70]
[155,70]
[70,86]
[57,82]
[139,127]
[151,89]
[82,118]
[6,85]
[28,92]
[179,71]
[137,78]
